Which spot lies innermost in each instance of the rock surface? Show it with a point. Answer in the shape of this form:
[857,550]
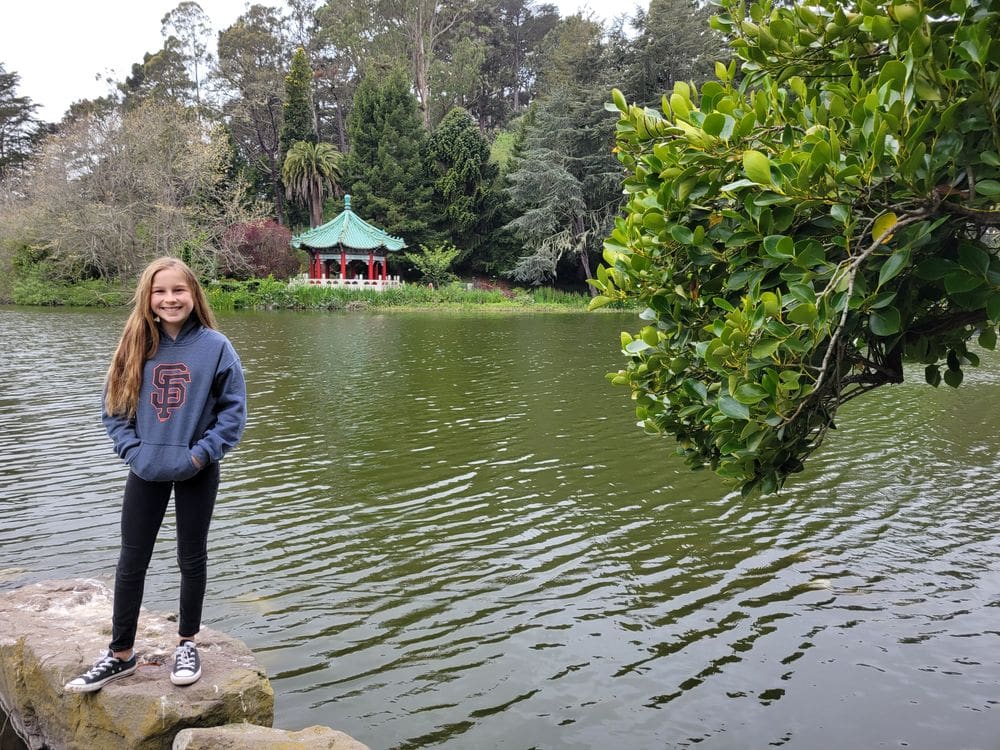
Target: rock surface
[50,632]
[248,737]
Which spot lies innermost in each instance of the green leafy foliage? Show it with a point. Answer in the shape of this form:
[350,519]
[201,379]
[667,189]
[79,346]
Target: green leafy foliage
[465,182]
[564,186]
[387,168]
[797,232]
[270,293]
[250,69]
[674,43]
[309,172]
[434,263]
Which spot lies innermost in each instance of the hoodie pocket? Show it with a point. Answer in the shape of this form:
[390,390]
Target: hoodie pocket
[164,463]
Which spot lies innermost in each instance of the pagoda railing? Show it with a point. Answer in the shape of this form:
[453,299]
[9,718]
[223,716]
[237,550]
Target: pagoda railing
[358,282]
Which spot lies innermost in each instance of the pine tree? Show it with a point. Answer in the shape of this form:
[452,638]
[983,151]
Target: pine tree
[466,182]
[17,123]
[297,120]
[387,166]
[565,184]
[161,76]
[297,123]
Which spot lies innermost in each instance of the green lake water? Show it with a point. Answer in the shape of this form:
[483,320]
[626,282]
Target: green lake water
[445,530]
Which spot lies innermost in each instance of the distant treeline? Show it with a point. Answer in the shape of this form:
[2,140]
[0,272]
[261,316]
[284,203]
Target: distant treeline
[465,123]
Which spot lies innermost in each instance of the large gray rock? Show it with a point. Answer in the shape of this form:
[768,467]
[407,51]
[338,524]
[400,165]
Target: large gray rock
[52,631]
[247,737]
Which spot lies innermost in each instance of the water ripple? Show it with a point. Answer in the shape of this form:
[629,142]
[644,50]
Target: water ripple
[435,544]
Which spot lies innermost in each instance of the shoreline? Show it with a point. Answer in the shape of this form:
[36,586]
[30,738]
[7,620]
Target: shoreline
[270,294]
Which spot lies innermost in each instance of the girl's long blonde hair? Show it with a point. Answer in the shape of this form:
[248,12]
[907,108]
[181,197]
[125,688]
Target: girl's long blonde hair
[141,337]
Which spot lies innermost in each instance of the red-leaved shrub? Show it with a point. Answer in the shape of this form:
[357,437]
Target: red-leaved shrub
[258,249]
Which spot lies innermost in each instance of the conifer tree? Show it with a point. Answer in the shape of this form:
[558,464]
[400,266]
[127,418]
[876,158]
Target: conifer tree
[466,182]
[17,123]
[297,124]
[675,43]
[565,184]
[387,166]
[297,120]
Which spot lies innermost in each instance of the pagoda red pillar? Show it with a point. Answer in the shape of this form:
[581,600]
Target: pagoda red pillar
[343,264]
[371,265]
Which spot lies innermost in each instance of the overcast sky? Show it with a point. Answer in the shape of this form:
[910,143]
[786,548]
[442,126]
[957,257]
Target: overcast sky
[64,49]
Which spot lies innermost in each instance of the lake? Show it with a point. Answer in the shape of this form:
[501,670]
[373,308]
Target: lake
[444,530]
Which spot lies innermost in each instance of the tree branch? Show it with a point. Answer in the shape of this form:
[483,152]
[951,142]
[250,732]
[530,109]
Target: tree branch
[977,216]
[851,269]
[942,325]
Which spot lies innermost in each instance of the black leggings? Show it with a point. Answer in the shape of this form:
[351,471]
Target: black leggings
[142,513]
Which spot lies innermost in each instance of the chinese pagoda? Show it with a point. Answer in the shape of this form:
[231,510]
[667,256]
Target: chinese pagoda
[348,251]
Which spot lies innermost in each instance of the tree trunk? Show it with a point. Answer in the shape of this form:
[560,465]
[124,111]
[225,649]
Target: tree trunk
[279,197]
[420,74]
[581,253]
[315,206]
[341,128]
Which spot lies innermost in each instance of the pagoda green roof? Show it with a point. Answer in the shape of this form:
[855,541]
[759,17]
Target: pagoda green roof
[349,230]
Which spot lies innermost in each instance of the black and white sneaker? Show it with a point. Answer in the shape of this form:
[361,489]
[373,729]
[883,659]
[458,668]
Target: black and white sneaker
[187,664]
[105,669]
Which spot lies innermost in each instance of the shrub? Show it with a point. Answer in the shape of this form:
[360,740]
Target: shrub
[258,249]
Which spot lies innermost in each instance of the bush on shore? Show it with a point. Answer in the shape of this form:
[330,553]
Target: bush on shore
[35,290]
[273,294]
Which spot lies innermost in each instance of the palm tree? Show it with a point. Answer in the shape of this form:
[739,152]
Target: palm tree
[310,170]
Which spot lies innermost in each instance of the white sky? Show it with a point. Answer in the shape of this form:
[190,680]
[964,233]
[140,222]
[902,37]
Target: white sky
[64,49]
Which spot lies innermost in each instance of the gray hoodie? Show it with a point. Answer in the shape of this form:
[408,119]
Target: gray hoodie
[192,405]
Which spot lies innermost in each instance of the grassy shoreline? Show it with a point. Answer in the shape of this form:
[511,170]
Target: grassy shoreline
[272,294]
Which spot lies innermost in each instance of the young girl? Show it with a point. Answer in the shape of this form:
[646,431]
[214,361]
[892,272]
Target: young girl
[174,404]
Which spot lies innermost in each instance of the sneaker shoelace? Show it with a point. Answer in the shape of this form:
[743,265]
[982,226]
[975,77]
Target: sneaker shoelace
[103,663]
[185,658]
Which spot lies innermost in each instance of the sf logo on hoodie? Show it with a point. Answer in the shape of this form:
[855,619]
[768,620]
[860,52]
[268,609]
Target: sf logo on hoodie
[169,388]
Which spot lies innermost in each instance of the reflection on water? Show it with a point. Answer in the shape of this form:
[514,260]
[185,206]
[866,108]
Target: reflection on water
[445,531]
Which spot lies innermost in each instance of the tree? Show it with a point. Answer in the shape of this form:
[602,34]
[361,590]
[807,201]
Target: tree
[251,60]
[570,54]
[344,48]
[455,76]
[161,76]
[17,124]
[297,115]
[512,31]
[434,264]
[302,23]
[297,123]
[423,25]
[675,43]
[387,165]
[378,35]
[465,181]
[310,170]
[795,237]
[258,249]
[188,24]
[566,186]
[108,193]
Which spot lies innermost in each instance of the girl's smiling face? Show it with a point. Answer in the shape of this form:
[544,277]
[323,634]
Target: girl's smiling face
[171,300]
